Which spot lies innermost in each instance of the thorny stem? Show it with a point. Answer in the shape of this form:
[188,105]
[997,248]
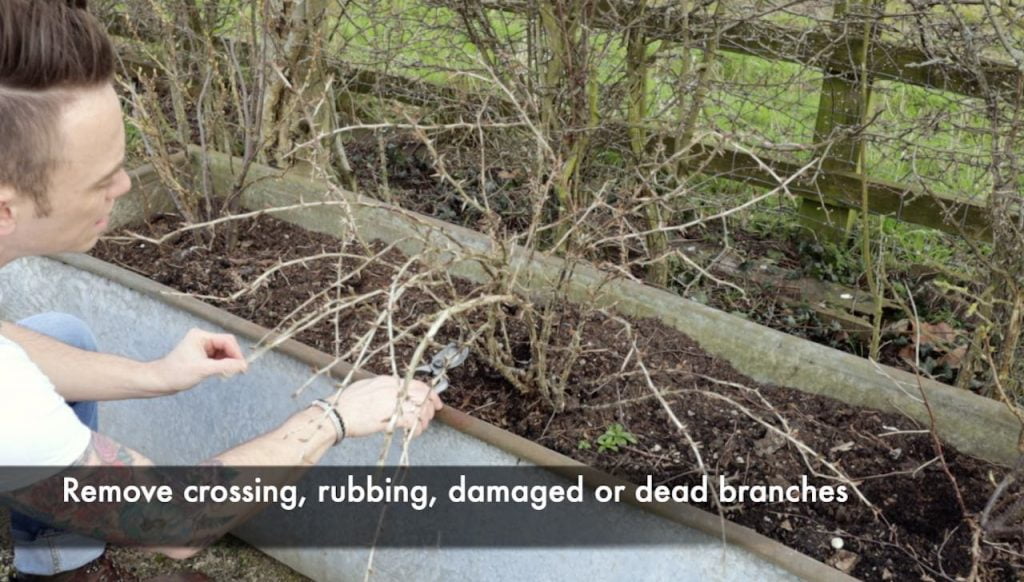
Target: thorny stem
[939,451]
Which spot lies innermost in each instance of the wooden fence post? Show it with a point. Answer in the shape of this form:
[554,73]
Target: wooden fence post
[842,110]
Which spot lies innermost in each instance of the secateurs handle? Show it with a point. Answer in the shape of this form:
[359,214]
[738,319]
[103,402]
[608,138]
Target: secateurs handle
[449,357]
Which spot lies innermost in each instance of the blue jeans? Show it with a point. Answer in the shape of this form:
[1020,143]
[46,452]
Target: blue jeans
[38,548]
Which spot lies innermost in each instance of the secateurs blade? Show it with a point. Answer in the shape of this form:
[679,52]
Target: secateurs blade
[449,357]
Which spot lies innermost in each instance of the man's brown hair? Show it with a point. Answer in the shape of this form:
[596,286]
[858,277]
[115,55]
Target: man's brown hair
[48,48]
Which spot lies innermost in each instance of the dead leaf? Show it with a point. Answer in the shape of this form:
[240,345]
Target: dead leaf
[843,560]
[938,334]
[786,525]
[908,354]
[954,358]
[898,327]
[768,444]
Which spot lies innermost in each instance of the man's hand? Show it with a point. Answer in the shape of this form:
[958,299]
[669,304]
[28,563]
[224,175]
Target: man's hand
[199,355]
[367,406]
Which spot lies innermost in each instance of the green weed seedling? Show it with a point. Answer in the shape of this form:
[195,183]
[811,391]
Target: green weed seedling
[614,437]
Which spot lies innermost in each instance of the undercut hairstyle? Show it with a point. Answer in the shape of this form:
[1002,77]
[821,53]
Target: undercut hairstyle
[48,49]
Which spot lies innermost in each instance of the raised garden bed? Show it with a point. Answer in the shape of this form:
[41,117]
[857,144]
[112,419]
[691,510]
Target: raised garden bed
[913,527]
[790,282]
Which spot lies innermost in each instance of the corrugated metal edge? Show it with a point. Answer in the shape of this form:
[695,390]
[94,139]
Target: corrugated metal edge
[743,537]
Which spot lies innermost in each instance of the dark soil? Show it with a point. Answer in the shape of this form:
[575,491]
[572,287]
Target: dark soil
[914,527]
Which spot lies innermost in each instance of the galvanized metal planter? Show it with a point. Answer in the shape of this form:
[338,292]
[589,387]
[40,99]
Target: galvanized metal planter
[136,317]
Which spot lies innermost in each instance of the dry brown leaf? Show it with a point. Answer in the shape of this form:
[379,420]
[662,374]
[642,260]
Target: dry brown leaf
[768,444]
[938,334]
[844,560]
[898,327]
[908,355]
[954,358]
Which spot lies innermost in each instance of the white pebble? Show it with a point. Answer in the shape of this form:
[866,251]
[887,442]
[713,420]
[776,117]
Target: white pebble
[837,543]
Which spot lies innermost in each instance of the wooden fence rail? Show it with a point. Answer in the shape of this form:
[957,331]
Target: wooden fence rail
[825,47]
[835,183]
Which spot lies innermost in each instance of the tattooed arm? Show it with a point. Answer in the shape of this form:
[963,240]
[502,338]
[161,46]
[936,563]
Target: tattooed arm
[179,529]
[80,375]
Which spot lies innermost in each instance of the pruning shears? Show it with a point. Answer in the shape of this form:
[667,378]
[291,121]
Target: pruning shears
[449,357]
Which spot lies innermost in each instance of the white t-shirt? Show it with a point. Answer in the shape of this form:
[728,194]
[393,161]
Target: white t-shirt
[37,428]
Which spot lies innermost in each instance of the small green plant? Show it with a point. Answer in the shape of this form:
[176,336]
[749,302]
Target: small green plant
[827,261]
[614,437]
[584,445]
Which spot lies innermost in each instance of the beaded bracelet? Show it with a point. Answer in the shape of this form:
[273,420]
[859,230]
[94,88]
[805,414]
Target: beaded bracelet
[339,424]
